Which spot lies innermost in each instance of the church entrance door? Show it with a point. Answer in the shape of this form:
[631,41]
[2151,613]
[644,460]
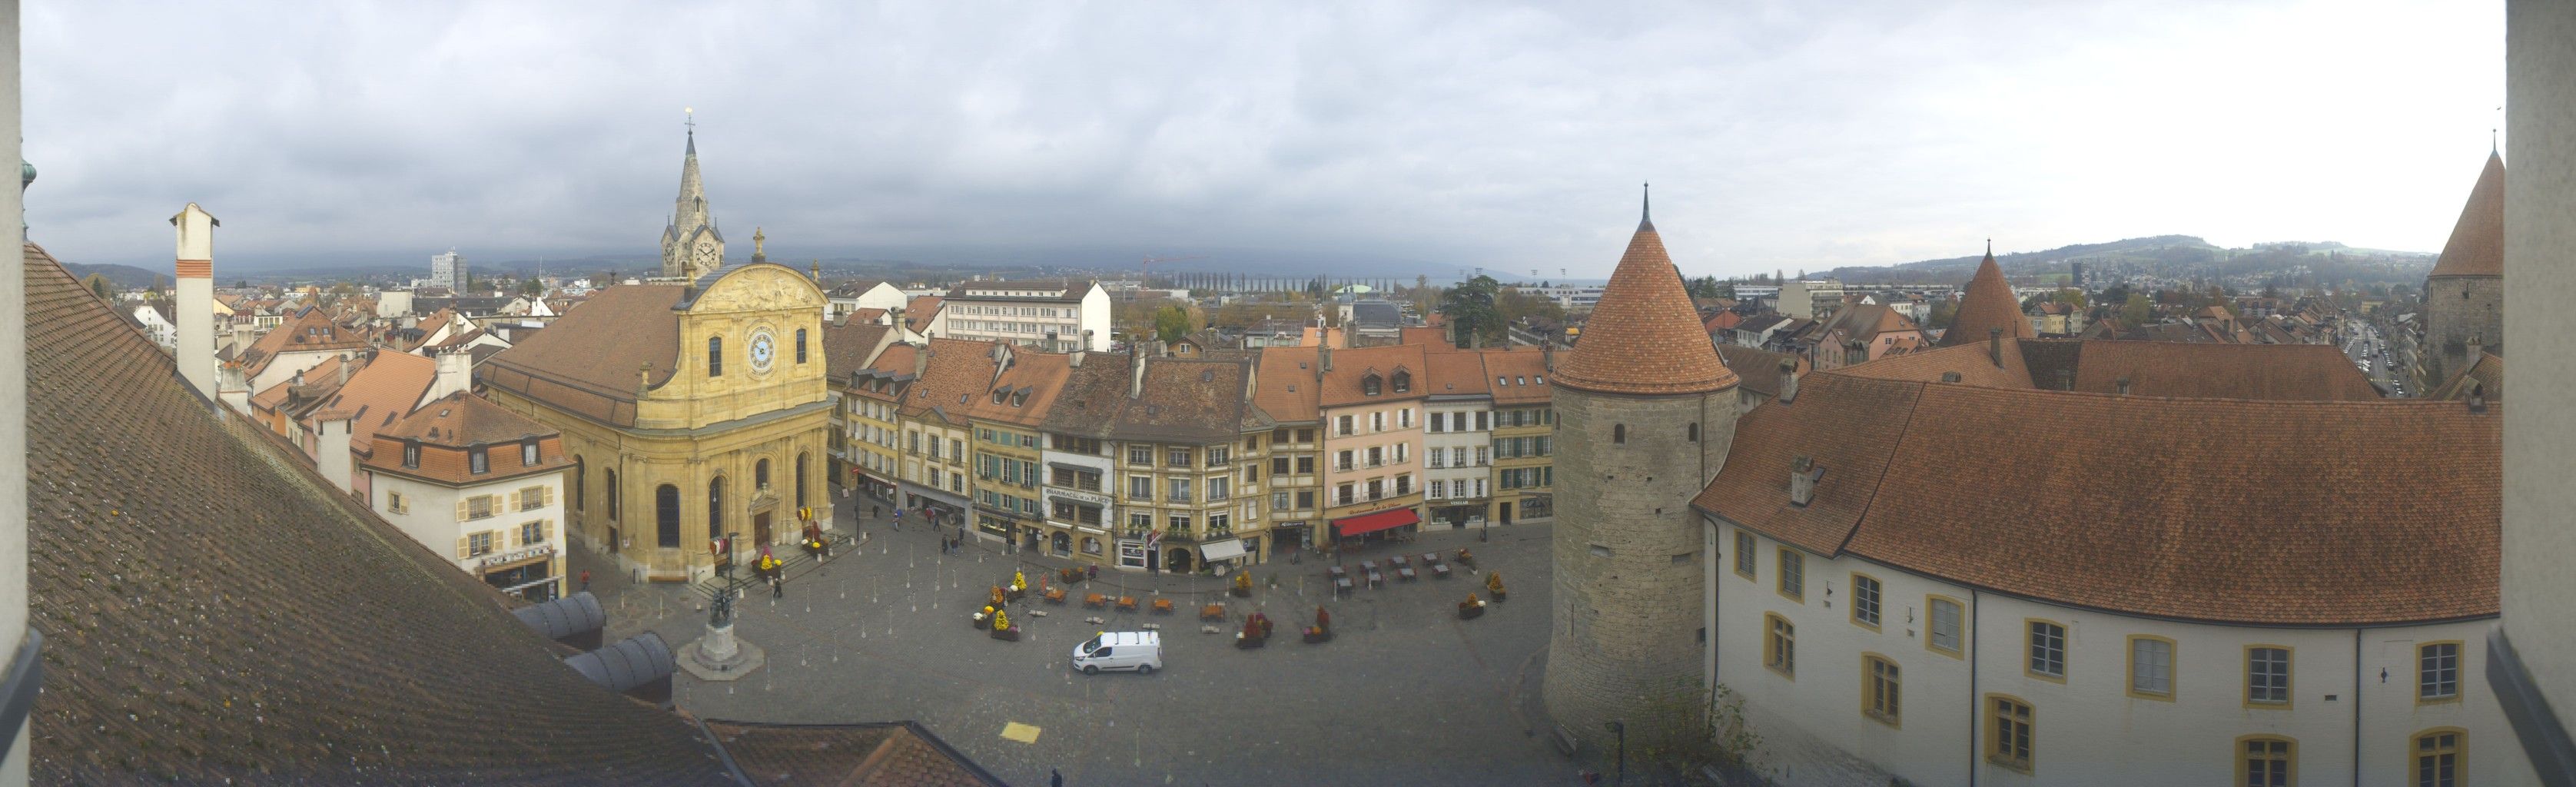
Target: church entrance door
[760,528]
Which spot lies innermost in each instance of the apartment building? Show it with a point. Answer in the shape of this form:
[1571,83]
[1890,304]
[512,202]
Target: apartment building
[1524,476]
[1371,402]
[1055,316]
[1457,451]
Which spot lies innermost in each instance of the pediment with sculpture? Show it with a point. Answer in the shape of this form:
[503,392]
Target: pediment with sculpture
[761,287]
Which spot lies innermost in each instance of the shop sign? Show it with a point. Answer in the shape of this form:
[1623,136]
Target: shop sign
[529,553]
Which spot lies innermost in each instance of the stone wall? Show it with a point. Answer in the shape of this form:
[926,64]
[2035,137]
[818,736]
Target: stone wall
[2452,321]
[1628,552]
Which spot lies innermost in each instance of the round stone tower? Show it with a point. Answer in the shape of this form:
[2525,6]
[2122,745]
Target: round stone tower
[1644,412]
[2464,295]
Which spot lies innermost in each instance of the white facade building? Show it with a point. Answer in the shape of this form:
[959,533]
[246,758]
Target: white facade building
[1051,316]
[448,270]
[853,296]
[477,484]
[1457,447]
[1989,596]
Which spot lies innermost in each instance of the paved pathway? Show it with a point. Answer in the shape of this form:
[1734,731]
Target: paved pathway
[1405,694]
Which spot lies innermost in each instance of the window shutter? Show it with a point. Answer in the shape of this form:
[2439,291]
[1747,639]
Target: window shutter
[514,501]
[549,496]
[461,508]
[546,530]
[463,543]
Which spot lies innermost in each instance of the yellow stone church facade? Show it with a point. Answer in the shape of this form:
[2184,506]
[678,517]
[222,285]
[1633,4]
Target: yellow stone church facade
[691,412]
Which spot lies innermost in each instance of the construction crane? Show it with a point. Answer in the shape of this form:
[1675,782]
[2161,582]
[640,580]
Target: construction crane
[1145,272]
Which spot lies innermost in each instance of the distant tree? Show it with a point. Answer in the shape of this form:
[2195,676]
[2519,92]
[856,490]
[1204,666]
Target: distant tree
[1471,307]
[98,285]
[1514,305]
[2137,310]
[1171,323]
[2117,293]
[1943,314]
[532,287]
[2071,297]
[1705,287]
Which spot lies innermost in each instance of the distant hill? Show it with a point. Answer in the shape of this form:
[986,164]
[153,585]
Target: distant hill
[2171,256]
[123,277]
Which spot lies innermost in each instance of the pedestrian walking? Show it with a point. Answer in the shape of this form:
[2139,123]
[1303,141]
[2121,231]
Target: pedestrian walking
[1054,779]
[777,588]
[585,580]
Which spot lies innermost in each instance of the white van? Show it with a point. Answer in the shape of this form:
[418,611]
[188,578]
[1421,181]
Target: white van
[1141,651]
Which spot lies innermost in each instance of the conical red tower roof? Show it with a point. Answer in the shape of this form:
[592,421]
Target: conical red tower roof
[1644,338]
[1989,303]
[2477,242]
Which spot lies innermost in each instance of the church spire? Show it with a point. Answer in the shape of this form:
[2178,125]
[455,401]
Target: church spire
[691,244]
[1646,213]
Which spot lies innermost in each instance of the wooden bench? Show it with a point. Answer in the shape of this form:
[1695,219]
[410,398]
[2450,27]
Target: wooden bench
[1126,603]
[1212,612]
[1163,606]
[1094,600]
[1055,595]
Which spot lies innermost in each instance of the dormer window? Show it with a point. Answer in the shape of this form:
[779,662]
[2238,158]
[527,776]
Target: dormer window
[998,394]
[1369,386]
[1403,381]
[1019,399]
[478,460]
[528,452]
[411,454]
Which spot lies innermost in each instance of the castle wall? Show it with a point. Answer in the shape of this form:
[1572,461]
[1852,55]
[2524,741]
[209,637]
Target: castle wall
[1628,635]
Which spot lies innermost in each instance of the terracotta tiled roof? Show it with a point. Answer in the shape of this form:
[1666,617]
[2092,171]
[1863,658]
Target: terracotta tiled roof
[1030,385]
[1285,387]
[452,425]
[1341,386]
[1722,321]
[586,361]
[1094,394]
[1758,369]
[901,754]
[958,371]
[2484,378]
[1643,337]
[1975,364]
[321,645]
[2200,509]
[1186,400]
[1433,338]
[378,394]
[918,312]
[2476,247]
[1458,374]
[1518,375]
[847,345]
[308,331]
[1987,304]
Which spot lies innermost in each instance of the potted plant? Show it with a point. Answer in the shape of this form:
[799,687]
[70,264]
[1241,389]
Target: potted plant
[1494,585]
[1243,585]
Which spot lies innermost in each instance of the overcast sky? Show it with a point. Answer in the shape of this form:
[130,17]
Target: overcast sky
[1785,134]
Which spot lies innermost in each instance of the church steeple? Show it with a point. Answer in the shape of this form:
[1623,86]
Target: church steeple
[691,244]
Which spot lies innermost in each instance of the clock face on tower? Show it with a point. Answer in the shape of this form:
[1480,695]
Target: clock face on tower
[764,348]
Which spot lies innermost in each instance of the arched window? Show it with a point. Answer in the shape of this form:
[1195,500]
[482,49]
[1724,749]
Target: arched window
[760,474]
[800,479]
[666,514]
[577,478]
[800,345]
[1619,434]
[1694,431]
[612,495]
[715,508]
[715,356]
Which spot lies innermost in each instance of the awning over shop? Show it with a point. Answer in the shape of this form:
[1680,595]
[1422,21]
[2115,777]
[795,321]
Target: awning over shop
[1228,549]
[1371,523]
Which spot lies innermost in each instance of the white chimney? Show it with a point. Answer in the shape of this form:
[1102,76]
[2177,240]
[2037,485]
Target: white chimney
[232,388]
[331,451]
[455,373]
[196,298]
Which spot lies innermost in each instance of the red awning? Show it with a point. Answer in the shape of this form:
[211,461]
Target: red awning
[1371,523]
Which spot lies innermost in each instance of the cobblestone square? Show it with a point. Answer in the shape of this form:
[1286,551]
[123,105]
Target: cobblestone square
[1405,693]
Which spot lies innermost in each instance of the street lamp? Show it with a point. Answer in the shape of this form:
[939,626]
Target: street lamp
[1622,730]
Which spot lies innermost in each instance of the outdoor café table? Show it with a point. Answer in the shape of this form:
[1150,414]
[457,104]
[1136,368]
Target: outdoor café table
[1376,580]
[1440,570]
[1405,572]
[1368,567]
[1431,558]
[1401,561]
[1342,585]
[1336,571]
